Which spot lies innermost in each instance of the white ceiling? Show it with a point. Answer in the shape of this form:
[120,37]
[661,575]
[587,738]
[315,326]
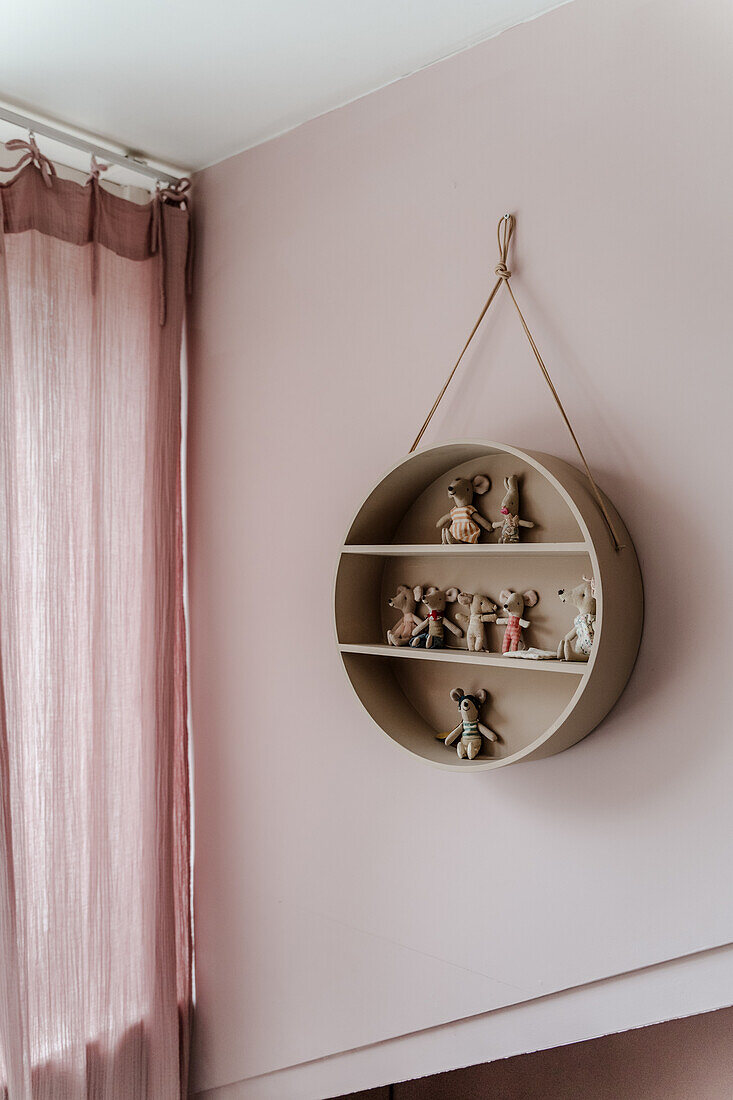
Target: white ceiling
[190,82]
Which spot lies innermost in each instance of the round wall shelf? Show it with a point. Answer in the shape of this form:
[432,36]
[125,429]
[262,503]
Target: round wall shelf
[537,708]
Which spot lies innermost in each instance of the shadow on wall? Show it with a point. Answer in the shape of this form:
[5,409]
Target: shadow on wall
[678,1060]
[674,659]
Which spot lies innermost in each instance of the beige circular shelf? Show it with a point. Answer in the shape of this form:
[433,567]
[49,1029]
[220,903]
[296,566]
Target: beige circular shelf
[538,708]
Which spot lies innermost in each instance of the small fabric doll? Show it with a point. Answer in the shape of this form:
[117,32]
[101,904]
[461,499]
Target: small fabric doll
[510,510]
[513,604]
[431,631]
[470,729]
[404,600]
[480,610]
[578,642]
[464,522]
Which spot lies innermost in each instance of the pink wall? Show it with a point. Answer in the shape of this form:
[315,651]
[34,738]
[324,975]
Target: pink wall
[340,268]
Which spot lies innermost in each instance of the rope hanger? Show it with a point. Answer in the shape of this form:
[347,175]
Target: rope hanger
[504,232]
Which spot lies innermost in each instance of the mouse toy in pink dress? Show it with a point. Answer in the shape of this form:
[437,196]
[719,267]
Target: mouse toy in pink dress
[514,604]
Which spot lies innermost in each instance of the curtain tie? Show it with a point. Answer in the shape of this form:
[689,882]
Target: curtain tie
[95,169]
[31,155]
[177,194]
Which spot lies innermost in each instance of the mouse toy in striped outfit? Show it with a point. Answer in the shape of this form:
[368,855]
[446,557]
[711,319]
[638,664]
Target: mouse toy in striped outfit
[511,522]
[463,523]
[431,631]
[514,604]
[469,731]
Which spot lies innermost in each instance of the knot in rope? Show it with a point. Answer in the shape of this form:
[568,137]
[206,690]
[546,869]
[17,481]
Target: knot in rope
[32,155]
[504,232]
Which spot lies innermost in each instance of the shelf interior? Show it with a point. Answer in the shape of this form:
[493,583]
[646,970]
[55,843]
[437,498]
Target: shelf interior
[406,505]
[365,584]
[411,700]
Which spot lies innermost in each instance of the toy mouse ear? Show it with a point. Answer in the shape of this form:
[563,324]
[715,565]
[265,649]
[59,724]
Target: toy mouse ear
[465,598]
[417,592]
[481,484]
[507,486]
[481,695]
[451,594]
[505,594]
[456,695]
[530,597]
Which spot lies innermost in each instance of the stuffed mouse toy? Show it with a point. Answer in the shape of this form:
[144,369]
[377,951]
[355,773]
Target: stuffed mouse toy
[480,610]
[405,600]
[578,642]
[463,523]
[513,604]
[431,631]
[469,729]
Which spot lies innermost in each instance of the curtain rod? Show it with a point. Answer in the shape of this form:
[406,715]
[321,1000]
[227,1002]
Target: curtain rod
[98,151]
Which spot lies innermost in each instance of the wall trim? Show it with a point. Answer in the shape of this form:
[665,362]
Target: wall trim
[686,986]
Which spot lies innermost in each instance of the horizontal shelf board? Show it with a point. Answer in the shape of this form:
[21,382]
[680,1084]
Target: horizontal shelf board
[462,656]
[403,550]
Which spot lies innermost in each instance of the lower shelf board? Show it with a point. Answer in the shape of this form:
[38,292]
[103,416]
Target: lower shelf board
[462,656]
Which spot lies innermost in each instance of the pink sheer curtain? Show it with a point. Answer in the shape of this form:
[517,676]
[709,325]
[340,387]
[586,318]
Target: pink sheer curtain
[95,939]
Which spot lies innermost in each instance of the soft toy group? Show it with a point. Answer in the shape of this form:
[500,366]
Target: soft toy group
[463,523]
[479,610]
[429,631]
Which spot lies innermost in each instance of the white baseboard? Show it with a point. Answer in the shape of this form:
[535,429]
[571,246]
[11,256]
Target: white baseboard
[683,987]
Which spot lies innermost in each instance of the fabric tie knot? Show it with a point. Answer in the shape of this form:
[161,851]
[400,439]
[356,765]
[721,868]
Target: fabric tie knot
[95,169]
[177,192]
[32,155]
